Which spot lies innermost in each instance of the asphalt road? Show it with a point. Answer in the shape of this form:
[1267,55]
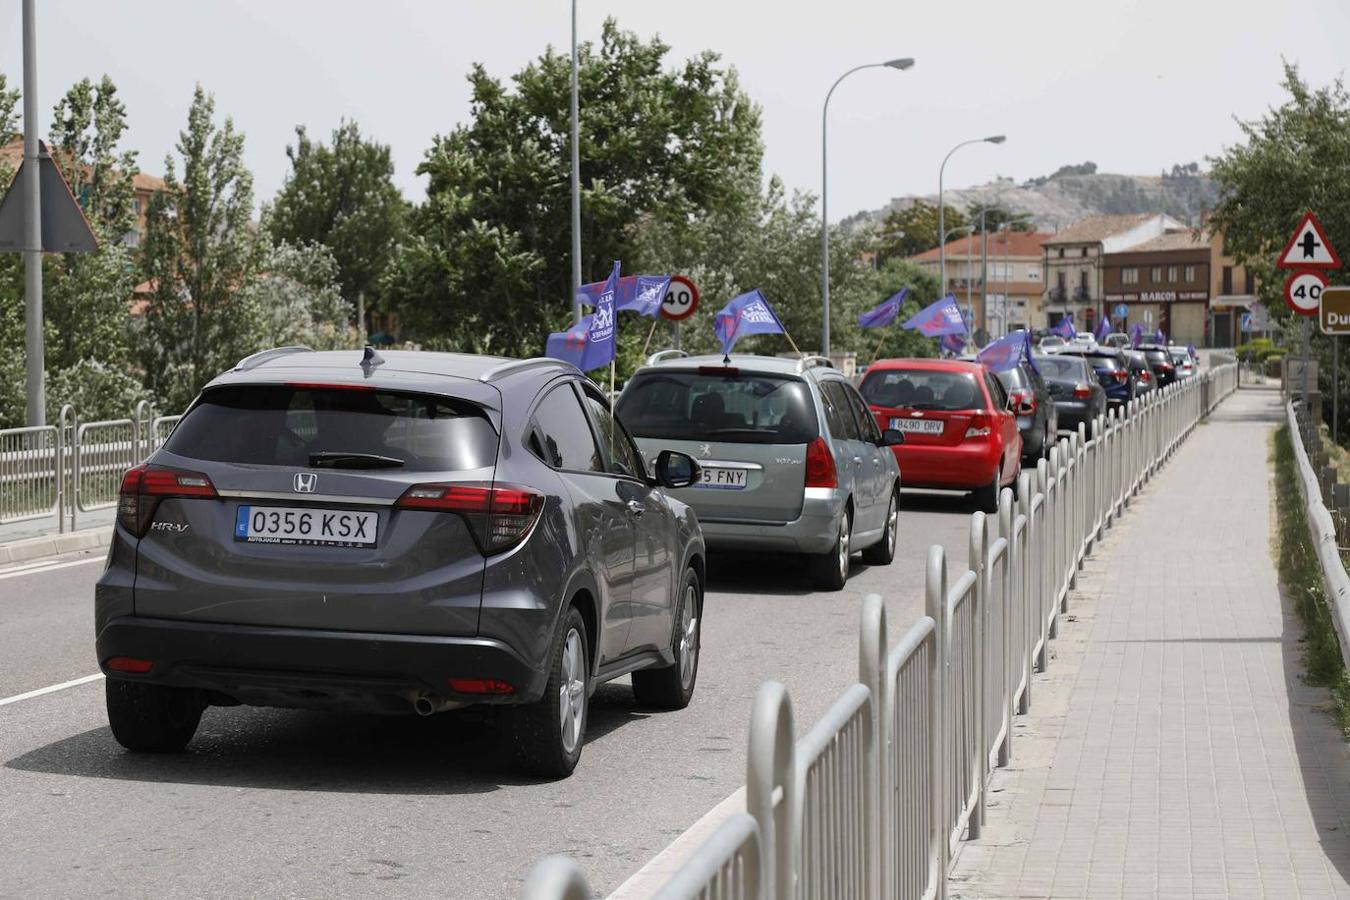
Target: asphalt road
[284,803]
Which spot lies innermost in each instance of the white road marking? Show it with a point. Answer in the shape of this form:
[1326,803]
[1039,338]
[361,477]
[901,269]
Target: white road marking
[50,690]
[37,568]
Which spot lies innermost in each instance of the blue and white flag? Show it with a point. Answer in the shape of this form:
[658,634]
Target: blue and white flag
[1190,348]
[1103,329]
[590,343]
[1136,335]
[641,294]
[952,343]
[749,313]
[1007,352]
[1159,337]
[941,317]
[1064,328]
[886,313]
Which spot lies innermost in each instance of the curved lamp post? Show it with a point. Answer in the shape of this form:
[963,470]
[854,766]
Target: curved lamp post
[900,64]
[942,218]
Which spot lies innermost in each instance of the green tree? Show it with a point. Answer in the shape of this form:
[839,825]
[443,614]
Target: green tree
[299,298]
[343,197]
[11,287]
[914,229]
[487,264]
[9,106]
[199,253]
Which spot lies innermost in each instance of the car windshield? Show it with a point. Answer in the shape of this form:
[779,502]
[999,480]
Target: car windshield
[1061,368]
[728,406]
[922,389]
[335,428]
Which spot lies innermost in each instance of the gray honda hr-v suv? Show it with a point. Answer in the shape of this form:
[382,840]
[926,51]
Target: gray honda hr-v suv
[405,534]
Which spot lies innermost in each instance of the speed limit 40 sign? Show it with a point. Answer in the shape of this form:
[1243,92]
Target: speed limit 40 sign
[681,299]
[1303,291]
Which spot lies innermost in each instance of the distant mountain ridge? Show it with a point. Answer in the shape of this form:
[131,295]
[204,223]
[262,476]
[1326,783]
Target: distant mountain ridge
[1056,201]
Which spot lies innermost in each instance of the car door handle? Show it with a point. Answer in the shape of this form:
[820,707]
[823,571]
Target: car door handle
[636,508]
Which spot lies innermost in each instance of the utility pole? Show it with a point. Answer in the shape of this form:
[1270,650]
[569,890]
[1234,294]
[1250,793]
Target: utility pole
[32,217]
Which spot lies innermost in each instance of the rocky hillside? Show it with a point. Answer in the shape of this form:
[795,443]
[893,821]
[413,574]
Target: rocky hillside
[1075,192]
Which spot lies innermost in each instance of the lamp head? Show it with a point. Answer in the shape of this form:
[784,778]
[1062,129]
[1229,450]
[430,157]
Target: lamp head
[900,64]
[996,139]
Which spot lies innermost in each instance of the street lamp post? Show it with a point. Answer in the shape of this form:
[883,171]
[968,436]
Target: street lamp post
[901,65]
[942,217]
[576,179]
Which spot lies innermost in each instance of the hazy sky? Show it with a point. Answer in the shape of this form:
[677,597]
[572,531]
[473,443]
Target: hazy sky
[1133,86]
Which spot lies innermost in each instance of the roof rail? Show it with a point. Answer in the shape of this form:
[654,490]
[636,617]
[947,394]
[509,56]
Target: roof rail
[665,354]
[810,361]
[517,365]
[253,360]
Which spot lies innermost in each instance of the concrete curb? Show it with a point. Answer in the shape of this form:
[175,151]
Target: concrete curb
[31,549]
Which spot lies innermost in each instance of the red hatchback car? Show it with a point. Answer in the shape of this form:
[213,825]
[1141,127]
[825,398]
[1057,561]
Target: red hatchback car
[959,432]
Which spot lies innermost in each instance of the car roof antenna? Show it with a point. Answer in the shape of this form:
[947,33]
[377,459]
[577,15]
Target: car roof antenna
[726,359]
[370,359]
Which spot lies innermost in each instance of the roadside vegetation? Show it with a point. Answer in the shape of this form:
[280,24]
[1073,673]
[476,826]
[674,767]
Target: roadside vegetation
[1300,574]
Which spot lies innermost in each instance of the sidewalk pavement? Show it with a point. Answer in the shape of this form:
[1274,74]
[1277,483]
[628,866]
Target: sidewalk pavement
[1172,749]
[38,538]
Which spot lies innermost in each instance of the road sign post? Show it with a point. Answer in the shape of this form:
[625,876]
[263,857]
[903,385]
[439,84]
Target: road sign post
[680,302]
[1334,319]
[1308,251]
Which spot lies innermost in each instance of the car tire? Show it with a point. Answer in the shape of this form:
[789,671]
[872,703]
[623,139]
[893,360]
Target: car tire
[152,718]
[883,551]
[986,498]
[550,732]
[672,687]
[829,570]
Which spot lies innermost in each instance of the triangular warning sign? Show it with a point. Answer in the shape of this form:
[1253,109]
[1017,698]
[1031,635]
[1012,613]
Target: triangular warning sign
[1309,247]
[64,227]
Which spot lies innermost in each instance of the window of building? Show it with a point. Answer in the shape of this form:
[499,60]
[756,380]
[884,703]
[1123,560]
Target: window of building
[1227,280]
[136,205]
[1190,274]
[1171,274]
[1156,275]
[1033,273]
[1061,252]
[1082,252]
[1060,280]
[1249,281]
[1129,276]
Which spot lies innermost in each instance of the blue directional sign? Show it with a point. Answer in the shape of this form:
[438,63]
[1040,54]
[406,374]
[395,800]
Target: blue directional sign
[1120,311]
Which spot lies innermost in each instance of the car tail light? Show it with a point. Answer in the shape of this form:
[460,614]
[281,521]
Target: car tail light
[328,386]
[1082,391]
[1121,376]
[979,426]
[143,488]
[480,686]
[1144,376]
[129,665]
[820,465]
[498,515]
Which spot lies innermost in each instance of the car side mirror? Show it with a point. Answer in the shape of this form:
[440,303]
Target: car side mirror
[675,469]
[892,437]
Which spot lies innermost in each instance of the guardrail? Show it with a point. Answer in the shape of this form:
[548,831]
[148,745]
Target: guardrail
[59,471]
[1321,526]
[873,799]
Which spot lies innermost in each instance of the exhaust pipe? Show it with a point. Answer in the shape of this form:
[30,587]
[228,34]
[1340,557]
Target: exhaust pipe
[425,704]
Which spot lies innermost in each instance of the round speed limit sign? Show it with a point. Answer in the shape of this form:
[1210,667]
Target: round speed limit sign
[1303,291]
[681,299]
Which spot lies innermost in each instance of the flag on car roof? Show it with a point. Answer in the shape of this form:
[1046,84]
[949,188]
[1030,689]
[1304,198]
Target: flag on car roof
[589,344]
[1064,328]
[953,344]
[1136,335]
[1103,329]
[749,313]
[1159,337]
[941,317]
[1007,352]
[886,313]
[641,294]
[1190,348]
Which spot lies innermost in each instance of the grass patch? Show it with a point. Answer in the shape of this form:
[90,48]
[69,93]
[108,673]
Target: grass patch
[1301,575]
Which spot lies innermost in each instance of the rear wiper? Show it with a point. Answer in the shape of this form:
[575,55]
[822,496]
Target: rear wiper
[342,459]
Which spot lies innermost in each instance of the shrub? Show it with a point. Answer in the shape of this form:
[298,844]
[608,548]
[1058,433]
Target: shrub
[96,390]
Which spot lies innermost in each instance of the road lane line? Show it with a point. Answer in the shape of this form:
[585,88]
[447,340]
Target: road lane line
[50,690]
[46,567]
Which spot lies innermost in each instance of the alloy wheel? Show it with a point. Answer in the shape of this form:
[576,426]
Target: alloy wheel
[689,638]
[892,525]
[572,691]
[844,538]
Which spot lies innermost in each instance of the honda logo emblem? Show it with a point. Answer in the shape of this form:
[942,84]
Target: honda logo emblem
[305,482]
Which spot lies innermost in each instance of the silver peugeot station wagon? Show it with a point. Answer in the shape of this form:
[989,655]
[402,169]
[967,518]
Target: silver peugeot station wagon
[402,534]
[790,457]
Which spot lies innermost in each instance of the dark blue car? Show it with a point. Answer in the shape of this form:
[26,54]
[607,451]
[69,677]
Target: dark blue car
[1112,371]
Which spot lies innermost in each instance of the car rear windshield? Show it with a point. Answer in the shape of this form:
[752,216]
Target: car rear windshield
[342,428]
[1061,368]
[732,407]
[1156,355]
[1013,379]
[922,389]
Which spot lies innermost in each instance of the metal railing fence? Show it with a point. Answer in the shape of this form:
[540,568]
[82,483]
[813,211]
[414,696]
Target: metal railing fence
[869,802]
[59,471]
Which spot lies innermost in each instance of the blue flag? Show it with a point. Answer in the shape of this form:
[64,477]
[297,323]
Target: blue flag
[886,313]
[749,313]
[1103,329]
[1190,348]
[590,343]
[952,343]
[1159,337]
[1136,335]
[942,317]
[1006,352]
[641,294]
[1064,328]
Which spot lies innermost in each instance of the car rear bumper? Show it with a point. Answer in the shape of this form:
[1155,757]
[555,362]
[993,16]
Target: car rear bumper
[964,466]
[314,669]
[1071,413]
[813,531]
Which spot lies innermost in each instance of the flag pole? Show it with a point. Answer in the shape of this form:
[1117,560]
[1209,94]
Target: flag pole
[879,343]
[791,342]
[648,342]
